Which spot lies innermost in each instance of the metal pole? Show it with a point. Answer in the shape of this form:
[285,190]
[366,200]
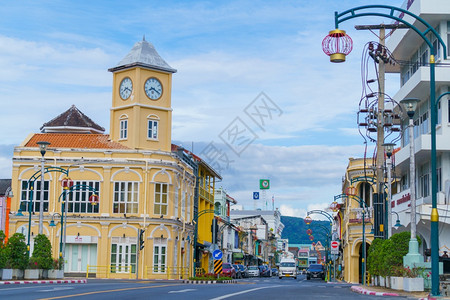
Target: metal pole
[66,210]
[434,212]
[41,201]
[334,268]
[412,183]
[138,250]
[364,246]
[388,201]
[61,234]
[30,209]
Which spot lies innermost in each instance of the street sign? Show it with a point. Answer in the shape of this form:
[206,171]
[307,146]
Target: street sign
[255,195]
[217,266]
[334,247]
[217,254]
[264,184]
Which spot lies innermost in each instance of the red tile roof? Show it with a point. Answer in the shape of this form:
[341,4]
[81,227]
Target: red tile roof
[73,140]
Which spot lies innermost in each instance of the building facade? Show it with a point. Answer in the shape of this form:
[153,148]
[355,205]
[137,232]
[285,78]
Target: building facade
[408,46]
[146,192]
[358,181]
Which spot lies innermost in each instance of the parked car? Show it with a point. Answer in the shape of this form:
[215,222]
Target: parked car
[228,270]
[253,271]
[238,271]
[244,271]
[315,271]
[265,271]
[274,272]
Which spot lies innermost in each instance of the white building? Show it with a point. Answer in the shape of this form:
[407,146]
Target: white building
[228,235]
[267,228]
[406,45]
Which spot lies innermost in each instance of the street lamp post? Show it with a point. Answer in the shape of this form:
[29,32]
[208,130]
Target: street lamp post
[52,224]
[389,147]
[397,222]
[43,148]
[426,34]
[413,256]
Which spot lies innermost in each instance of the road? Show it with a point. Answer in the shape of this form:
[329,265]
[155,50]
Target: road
[249,288]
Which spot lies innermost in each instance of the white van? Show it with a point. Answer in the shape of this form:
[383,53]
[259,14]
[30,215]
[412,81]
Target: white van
[288,268]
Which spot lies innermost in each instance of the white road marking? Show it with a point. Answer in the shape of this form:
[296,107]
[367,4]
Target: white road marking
[182,291]
[244,292]
[57,289]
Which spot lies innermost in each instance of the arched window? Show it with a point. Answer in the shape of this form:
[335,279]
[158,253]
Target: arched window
[123,132]
[152,128]
[217,208]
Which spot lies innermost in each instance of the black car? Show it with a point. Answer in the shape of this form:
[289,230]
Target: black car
[315,271]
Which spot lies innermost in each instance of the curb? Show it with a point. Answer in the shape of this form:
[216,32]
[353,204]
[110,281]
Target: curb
[208,281]
[43,281]
[361,290]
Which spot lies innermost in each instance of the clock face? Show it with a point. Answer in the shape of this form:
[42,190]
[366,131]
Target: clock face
[153,88]
[125,89]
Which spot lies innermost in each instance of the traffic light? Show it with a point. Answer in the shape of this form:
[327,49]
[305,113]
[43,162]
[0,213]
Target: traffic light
[141,239]
[214,230]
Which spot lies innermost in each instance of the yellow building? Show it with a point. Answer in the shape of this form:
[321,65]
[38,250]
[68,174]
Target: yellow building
[203,211]
[358,181]
[141,182]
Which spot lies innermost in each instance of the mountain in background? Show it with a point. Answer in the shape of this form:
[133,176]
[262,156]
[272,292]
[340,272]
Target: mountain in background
[295,230]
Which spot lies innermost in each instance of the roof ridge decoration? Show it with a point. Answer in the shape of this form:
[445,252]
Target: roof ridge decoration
[72,121]
[143,54]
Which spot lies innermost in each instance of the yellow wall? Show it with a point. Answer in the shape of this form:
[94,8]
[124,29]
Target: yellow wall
[102,227]
[352,232]
[206,205]
[138,107]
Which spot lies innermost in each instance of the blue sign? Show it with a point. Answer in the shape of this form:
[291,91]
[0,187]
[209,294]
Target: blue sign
[217,254]
[255,195]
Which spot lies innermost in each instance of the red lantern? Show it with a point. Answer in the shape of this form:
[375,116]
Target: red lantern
[337,45]
[311,238]
[350,191]
[93,199]
[66,183]
[334,206]
[308,220]
[309,231]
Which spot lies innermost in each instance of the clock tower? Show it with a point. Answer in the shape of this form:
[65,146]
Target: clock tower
[141,112]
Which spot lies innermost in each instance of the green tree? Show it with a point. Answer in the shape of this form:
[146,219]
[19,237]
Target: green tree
[399,247]
[3,252]
[374,259]
[387,258]
[42,252]
[17,256]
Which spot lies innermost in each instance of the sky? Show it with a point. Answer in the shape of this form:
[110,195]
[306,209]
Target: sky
[253,65]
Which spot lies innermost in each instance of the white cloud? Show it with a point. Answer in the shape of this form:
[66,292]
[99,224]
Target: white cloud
[289,211]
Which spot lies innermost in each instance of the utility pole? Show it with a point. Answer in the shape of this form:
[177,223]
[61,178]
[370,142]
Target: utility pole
[381,205]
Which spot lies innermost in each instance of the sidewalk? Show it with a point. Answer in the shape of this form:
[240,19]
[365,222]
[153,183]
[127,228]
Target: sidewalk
[382,291]
[44,281]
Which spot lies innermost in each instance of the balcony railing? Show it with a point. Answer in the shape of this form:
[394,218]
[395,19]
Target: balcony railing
[206,195]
